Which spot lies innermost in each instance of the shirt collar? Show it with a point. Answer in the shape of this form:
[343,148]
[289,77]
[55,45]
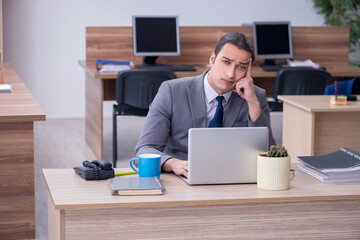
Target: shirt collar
[210,93]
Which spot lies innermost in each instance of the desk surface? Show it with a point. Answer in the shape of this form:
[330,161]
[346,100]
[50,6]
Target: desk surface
[349,71]
[69,191]
[320,103]
[90,68]
[19,105]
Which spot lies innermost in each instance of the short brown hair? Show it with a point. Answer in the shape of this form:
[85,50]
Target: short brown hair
[239,40]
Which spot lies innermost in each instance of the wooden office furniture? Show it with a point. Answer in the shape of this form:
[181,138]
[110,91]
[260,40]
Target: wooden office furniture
[310,209]
[18,111]
[313,126]
[1,33]
[328,46]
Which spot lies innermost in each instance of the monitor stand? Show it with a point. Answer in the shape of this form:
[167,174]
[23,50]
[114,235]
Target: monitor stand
[149,63]
[150,60]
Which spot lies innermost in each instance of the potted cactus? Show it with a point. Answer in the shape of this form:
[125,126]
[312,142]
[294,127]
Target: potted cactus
[273,169]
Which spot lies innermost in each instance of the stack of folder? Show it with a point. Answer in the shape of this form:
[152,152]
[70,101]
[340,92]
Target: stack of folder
[113,66]
[340,166]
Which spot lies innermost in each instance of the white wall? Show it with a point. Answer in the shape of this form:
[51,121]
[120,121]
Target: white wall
[44,39]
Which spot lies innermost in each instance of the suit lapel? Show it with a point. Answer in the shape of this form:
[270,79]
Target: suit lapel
[196,96]
[233,109]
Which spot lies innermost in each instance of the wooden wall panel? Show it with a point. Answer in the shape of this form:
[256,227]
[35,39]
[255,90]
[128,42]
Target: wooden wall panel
[325,45]
[109,43]
[327,128]
[17,201]
[298,140]
[306,220]
[56,221]
[94,119]
[196,44]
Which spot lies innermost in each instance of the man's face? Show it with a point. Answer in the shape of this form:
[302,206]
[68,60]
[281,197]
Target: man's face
[229,66]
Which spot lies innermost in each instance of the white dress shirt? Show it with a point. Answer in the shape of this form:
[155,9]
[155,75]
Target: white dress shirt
[211,102]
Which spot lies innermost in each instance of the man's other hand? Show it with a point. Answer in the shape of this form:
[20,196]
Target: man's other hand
[179,167]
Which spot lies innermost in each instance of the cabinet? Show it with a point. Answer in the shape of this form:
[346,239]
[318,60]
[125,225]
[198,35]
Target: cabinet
[312,126]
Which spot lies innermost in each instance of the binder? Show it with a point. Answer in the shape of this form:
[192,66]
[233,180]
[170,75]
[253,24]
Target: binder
[339,166]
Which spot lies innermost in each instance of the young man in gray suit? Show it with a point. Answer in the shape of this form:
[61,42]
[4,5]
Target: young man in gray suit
[191,102]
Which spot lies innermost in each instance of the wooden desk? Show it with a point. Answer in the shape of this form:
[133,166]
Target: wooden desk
[313,126]
[310,209]
[18,111]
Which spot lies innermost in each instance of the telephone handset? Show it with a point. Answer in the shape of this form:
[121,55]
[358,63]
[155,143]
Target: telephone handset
[97,169]
[102,164]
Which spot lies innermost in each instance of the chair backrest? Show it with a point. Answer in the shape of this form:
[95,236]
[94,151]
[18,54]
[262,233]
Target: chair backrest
[301,81]
[135,89]
[347,87]
[356,86]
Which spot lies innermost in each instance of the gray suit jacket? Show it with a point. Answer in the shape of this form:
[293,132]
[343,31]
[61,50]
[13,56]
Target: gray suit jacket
[180,105]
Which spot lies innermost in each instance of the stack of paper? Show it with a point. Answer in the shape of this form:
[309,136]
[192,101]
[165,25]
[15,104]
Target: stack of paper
[5,88]
[306,63]
[112,66]
[340,166]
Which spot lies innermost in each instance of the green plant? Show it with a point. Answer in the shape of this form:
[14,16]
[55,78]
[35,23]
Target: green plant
[342,13]
[277,151]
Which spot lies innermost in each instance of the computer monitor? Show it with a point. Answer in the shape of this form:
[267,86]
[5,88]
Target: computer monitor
[272,40]
[155,36]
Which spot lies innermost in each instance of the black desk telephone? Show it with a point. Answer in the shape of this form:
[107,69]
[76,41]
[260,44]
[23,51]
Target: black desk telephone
[97,169]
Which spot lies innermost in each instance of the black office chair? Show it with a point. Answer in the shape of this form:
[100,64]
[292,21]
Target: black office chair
[356,86]
[299,81]
[347,87]
[135,90]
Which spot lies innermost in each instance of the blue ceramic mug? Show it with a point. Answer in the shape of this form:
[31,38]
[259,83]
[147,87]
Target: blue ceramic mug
[149,165]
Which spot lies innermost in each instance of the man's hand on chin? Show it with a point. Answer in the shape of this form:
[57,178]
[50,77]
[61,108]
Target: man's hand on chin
[245,88]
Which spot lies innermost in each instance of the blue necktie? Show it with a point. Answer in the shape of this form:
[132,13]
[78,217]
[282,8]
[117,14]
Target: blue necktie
[218,117]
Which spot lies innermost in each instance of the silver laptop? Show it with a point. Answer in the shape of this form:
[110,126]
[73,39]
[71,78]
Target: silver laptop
[225,155]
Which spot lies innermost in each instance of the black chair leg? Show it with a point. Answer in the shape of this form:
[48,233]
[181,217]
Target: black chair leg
[115,107]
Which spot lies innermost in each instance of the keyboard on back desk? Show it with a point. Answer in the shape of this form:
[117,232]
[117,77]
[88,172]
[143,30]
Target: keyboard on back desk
[278,67]
[183,68]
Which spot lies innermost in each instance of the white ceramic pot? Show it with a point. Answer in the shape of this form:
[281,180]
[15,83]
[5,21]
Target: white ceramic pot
[273,173]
